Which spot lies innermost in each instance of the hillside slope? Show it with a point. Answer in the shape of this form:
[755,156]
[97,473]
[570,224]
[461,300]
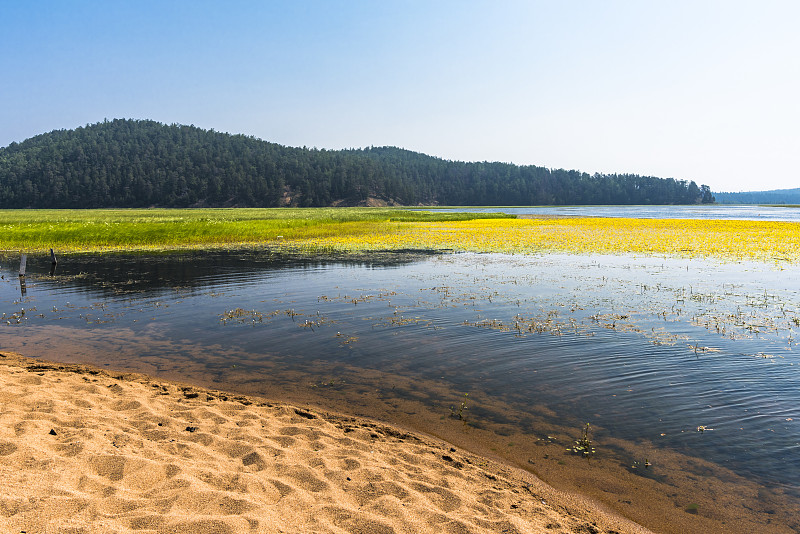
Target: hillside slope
[141,163]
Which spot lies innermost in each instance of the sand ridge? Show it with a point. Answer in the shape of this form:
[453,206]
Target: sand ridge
[85,450]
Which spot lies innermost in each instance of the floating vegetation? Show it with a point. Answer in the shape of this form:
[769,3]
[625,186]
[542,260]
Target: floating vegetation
[346,340]
[725,239]
[254,317]
[402,320]
[240,315]
[699,349]
[17,317]
[522,326]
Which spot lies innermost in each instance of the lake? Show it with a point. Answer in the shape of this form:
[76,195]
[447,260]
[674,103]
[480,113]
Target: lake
[686,369]
[699,211]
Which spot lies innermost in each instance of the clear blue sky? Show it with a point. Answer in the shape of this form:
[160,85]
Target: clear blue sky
[697,90]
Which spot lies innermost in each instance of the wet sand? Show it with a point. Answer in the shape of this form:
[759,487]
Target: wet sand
[90,450]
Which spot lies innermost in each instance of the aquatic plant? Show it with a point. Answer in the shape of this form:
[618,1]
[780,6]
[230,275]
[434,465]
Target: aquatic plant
[641,463]
[242,316]
[725,239]
[459,413]
[583,446]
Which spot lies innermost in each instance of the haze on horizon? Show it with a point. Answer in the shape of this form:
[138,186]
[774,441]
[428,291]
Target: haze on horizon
[696,90]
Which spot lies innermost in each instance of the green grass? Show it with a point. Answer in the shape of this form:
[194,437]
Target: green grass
[36,231]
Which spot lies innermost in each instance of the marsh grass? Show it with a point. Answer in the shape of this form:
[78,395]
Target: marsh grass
[351,230]
[167,229]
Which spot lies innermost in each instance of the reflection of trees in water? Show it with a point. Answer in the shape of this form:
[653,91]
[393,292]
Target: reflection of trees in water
[147,273]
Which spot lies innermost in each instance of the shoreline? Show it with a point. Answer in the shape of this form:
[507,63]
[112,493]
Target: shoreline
[657,501]
[85,447]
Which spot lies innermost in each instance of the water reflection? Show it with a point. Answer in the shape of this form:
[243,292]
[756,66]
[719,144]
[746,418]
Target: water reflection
[101,276]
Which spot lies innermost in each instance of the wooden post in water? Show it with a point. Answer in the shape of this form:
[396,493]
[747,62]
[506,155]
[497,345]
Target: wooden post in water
[23,261]
[54,263]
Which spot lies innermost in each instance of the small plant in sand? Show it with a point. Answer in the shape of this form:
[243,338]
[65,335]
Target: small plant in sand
[583,446]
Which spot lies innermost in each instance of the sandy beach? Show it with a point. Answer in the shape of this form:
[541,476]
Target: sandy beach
[88,450]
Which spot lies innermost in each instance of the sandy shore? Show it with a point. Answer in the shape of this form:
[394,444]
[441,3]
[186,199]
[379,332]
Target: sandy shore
[86,450]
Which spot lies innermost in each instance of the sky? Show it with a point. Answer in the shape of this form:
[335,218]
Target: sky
[689,89]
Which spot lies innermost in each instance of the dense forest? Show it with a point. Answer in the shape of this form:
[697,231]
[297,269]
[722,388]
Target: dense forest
[141,163]
[775,196]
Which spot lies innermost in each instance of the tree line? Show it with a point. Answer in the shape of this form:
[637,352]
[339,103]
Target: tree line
[775,196]
[141,163]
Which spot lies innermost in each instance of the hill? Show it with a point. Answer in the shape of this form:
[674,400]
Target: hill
[142,163]
[774,196]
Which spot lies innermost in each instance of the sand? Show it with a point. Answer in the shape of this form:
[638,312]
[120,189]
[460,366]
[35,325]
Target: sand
[87,450]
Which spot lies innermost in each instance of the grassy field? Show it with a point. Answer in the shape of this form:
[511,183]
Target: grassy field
[372,229]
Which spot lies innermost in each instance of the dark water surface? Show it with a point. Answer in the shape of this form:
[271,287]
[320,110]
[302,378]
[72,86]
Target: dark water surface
[692,356]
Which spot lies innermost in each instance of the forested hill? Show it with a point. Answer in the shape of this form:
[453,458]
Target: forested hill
[775,196]
[140,163]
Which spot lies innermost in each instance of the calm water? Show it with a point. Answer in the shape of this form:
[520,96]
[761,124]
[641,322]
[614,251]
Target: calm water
[647,349]
[722,211]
